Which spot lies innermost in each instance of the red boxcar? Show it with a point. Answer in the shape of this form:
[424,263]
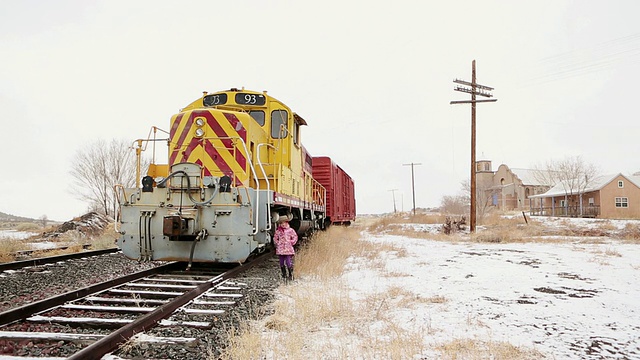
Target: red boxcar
[341,198]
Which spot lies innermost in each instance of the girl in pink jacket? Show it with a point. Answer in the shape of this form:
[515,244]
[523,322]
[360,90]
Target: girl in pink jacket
[284,239]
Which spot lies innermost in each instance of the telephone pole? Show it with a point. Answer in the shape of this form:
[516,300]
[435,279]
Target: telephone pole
[413,188]
[393,193]
[480,90]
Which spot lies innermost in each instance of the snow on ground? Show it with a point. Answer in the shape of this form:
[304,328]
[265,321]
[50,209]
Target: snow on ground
[570,300]
[22,235]
[429,228]
[585,223]
[14,234]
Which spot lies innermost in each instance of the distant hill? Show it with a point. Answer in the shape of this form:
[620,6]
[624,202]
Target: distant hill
[12,218]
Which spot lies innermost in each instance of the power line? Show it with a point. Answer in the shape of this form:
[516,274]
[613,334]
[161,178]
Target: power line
[587,60]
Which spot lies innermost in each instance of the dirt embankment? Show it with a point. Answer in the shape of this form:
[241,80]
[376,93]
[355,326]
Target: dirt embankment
[90,224]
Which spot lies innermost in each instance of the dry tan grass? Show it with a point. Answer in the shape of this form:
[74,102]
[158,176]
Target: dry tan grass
[128,346]
[599,260]
[508,233]
[631,233]
[318,314]
[476,349]
[106,240]
[243,344]
[324,256]
[76,241]
[320,302]
[8,248]
[496,228]
[28,227]
[437,299]
[382,223]
[73,241]
[612,252]
[70,249]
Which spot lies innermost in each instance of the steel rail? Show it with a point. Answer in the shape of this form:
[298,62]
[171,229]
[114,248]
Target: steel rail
[111,342]
[23,312]
[54,259]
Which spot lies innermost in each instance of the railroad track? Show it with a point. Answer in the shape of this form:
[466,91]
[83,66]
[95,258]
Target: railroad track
[94,321]
[16,265]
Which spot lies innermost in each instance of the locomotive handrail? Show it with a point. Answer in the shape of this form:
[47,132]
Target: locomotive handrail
[253,172]
[283,132]
[228,107]
[117,214]
[139,149]
[266,179]
[319,193]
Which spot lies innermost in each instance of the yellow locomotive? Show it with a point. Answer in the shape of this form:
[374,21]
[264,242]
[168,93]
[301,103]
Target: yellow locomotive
[235,165]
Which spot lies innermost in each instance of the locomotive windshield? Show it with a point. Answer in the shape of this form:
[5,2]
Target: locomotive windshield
[258,116]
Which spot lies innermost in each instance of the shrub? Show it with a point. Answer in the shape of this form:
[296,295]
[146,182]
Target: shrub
[28,227]
[8,248]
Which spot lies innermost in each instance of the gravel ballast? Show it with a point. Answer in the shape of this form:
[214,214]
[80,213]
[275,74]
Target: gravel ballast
[257,286]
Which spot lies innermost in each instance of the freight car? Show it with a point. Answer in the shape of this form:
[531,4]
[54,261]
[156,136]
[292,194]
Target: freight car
[235,165]
[341,203]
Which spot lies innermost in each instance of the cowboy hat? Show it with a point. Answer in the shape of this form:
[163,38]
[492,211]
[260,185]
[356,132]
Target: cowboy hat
[284,218]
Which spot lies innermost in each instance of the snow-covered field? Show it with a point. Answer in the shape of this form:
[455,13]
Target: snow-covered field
[13,234]
[22,235]
[571,300]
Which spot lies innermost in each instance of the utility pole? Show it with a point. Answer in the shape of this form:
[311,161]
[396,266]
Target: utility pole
[393,193]
[413,188]
[481,90]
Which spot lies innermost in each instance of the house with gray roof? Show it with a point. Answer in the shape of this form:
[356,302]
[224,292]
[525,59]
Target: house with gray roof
[615,196]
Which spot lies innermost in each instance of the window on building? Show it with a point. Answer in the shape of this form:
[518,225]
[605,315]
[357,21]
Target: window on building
[622,202]
[592,201]
[620,184]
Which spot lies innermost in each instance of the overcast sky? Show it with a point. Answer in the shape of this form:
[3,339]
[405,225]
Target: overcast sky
[372,78]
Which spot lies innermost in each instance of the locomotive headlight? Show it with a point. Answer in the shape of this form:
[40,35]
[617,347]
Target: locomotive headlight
[160,182]
[199,132]
[199,122]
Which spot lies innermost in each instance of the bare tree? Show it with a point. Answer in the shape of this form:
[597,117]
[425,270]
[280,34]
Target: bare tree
[457,205]
[484,196]
[98,167]
[44,219]
[572,173]
[546,173]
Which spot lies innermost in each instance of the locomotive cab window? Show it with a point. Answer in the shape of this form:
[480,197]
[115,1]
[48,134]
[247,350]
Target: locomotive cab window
[296,134]
[279,117]
[258,116]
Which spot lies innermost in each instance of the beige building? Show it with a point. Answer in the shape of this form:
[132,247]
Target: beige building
[608,197]
[506,188]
